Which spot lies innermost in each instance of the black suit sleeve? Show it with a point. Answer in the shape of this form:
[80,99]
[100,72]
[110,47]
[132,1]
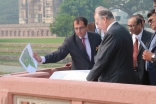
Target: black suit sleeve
[154,61]
[60,54]
[107,52]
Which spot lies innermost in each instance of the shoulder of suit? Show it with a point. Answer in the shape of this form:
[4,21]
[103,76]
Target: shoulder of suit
[70,37]
[147,32]
[92,33]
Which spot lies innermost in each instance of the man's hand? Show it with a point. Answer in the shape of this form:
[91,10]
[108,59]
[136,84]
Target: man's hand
[147,55]
[69,64]
[37,57]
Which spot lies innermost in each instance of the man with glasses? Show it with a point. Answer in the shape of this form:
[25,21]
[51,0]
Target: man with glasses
[114,61]
[149,55]
[82,47]
[136,27]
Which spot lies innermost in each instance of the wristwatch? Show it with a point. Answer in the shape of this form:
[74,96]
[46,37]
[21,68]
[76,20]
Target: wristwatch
[152,58]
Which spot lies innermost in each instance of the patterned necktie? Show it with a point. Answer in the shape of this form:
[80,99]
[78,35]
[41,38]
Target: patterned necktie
[135,53]
[83,42]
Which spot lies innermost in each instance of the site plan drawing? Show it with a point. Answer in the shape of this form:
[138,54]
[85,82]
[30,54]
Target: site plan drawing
[27,60]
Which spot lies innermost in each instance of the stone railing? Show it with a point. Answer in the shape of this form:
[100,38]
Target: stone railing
[21,88]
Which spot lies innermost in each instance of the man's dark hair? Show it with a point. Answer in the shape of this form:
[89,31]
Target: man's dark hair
[154,1]
[78,19]
[107,13]
[150,13]
[140,16]
[138,19]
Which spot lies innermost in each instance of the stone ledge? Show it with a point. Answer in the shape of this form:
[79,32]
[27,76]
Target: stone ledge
[78,92]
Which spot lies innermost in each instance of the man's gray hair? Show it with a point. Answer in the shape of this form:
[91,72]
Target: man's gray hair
[99,8]
[106,13]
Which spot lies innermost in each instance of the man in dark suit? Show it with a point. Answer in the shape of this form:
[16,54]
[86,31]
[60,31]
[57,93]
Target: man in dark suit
[114,60]
[92,28]
[81,46]
[149,55]
[136,27]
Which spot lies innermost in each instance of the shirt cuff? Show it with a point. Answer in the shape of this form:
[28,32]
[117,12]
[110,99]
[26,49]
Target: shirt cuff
[42,59]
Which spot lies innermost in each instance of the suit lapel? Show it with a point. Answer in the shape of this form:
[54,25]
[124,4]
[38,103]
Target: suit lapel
[91,41]
[81,48]
[151,41]
[144,39]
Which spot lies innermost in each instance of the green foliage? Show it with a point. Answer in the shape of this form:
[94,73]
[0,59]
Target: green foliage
[62,25]
[83,8]
[9,12]
[69,9]
[130,6]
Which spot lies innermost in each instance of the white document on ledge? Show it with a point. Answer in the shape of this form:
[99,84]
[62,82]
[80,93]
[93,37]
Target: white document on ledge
[79,75]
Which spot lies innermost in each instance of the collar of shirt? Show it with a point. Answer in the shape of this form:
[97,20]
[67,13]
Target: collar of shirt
[111,25]
[96,29]
[86,36]
[139,35]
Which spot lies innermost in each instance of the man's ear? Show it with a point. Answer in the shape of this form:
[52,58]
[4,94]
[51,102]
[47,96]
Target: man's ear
[104,19]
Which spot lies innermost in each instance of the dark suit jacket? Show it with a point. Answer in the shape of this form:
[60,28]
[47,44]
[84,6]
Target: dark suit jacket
[73,46]
[143,74]
[114,58]
[152,66]
[91,27]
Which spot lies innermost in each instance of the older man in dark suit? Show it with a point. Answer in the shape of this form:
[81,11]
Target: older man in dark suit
[114,60]
[92,26]
[150,54]
[136,27]
[81,46]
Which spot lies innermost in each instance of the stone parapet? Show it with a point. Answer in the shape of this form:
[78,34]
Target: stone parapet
[27,90]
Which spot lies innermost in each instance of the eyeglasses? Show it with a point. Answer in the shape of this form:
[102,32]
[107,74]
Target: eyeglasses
[131,26]
[80,28]
[150,21]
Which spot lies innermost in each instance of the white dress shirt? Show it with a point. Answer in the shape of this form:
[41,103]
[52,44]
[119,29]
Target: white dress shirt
[134,36]
[88,48]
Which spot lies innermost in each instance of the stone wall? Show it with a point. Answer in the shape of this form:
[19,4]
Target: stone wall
[28,89]
[26,30]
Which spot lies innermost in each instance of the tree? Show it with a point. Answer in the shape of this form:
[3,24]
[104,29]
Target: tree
[130,6]
[69,9]
[63,25]
[9,12]
[83,8]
